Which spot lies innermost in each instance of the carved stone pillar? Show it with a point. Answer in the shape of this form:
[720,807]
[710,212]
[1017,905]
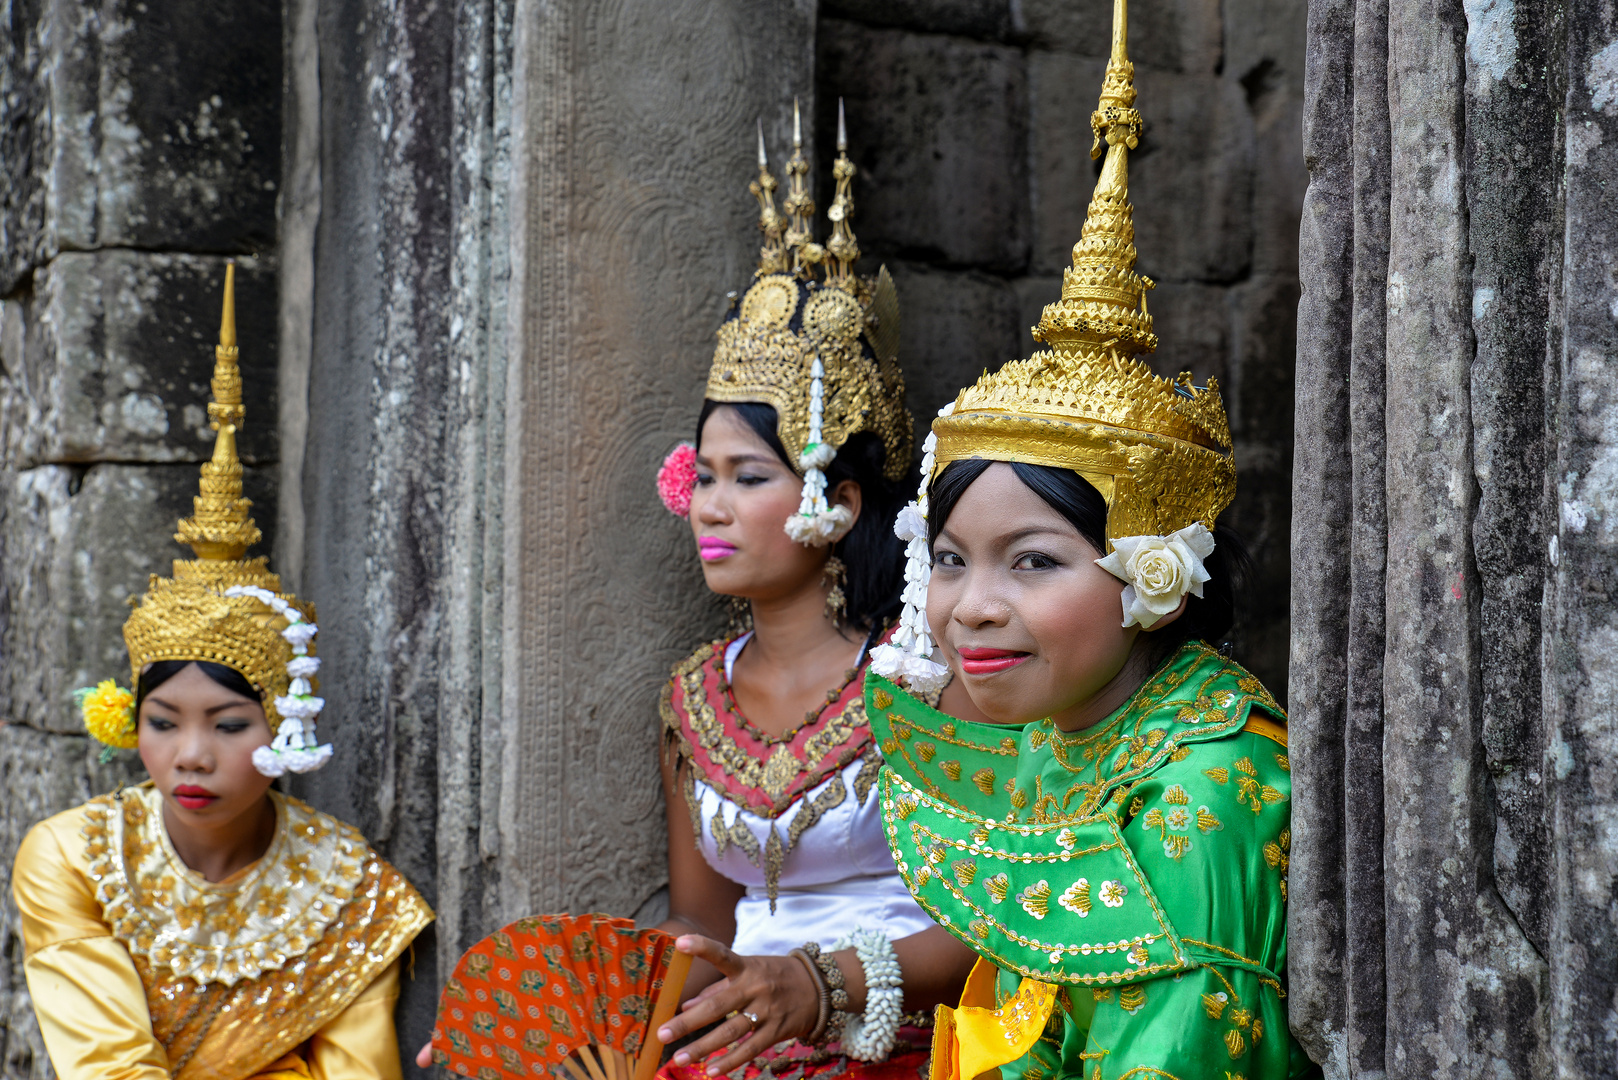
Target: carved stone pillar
[516,242]
[1452,863]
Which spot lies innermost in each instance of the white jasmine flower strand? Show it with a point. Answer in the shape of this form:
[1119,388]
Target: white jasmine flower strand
[816,523]
[907,657]
[871,1036]
[295,748]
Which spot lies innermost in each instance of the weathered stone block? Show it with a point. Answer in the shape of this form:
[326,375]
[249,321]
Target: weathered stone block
[1263,37]
[41,774]
[1258,391]
[1191,180]
[991,20]
[24,145]
[1176,35]
[110,354]
[148,125]
[938,128]
[1033,293]
[1264,48]
[75,545]
[953,326]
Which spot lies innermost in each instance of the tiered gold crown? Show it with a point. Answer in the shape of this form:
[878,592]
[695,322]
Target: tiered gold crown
[1158,450]
[188,616]
[788,317]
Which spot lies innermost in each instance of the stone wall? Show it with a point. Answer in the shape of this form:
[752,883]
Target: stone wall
[969,124]
[1453,863]
[141,147]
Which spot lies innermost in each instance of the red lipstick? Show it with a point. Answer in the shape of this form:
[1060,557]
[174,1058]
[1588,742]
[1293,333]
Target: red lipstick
[989,661]
[194,798]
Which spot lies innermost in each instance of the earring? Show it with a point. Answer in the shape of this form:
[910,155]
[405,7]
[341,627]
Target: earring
[835,574]
[740,610]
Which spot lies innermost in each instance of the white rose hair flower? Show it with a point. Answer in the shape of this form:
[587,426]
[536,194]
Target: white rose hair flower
[1159,570]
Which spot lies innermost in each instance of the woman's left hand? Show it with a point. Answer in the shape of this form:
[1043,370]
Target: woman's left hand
[777,991]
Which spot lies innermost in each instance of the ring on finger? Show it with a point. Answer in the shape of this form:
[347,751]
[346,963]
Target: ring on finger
[752,1018]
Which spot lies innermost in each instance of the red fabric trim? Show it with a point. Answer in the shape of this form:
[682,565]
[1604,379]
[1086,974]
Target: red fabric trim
[728,738]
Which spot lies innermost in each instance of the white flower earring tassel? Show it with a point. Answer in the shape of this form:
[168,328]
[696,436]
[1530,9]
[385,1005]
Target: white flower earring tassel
[295,748]
[816,523]
[1160,571]
[908,657]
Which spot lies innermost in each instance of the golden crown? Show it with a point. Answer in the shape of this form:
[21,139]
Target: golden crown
[1158,450]
[188,616]
[787,319]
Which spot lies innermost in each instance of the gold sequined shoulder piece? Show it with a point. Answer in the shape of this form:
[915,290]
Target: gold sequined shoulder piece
[219,1032]
[258,921]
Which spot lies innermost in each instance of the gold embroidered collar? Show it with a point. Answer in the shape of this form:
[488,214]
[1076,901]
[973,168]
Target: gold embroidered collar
[256,921]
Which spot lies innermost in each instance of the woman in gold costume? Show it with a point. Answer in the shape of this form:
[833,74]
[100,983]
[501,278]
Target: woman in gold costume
[202,925]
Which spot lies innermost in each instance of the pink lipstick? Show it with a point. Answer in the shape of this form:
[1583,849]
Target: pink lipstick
[712,548]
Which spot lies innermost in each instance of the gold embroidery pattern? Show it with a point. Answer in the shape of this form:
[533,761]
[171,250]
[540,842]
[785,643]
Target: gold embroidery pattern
[1035,897]
[905,744]
[1251,793]
[1277,855]
[1127,748]
[186,926]
[220,1032]
[1178,820]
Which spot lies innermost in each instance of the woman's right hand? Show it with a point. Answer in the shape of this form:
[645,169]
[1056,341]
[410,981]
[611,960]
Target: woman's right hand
[424,1056]
[762,1000]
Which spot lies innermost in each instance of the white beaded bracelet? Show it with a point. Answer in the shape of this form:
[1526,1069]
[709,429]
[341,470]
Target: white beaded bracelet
[870,1037]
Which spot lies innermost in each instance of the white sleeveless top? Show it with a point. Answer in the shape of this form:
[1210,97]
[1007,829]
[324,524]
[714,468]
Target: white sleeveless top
[839,875]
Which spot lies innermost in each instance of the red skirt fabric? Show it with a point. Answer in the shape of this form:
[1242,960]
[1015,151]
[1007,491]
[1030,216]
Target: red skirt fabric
[794,1061]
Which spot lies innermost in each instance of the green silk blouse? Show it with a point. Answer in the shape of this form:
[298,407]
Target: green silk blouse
[1138,866]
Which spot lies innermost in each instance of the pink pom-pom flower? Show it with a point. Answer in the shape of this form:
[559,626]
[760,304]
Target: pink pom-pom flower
[676,479]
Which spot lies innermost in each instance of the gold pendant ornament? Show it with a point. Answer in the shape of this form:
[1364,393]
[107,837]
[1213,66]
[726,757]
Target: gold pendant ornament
[1158,450]
[822,351]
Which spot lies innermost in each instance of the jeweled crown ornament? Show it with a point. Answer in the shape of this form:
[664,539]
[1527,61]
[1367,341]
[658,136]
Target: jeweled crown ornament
[1158,450]
[223,607]
[822,350]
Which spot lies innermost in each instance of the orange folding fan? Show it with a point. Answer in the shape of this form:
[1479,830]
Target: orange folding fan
[572,997]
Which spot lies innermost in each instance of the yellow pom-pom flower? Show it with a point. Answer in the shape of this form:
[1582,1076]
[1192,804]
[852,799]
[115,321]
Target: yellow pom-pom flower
[109,714]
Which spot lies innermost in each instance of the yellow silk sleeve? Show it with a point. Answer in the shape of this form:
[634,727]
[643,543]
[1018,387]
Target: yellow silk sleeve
[360,1042]
[92,1012]
[86,992]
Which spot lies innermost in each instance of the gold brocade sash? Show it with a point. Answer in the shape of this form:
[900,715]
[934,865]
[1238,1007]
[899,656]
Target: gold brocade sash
[218,1032]
[977,1037]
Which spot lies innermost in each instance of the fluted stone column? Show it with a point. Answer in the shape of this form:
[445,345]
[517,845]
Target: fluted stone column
[1452,659]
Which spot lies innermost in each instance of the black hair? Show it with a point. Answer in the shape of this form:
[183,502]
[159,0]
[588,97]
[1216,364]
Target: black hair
[872,553]
[1208,618]
[161,671]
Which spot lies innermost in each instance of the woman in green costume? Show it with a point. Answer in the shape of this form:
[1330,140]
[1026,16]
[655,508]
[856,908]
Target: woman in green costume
[1115,846]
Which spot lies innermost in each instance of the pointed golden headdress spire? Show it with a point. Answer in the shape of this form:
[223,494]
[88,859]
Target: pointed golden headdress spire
[220,529]
[1158,451]
[800,203]
[222,606]
[1103,298]
[844,250]
[821,348]
[772,257]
